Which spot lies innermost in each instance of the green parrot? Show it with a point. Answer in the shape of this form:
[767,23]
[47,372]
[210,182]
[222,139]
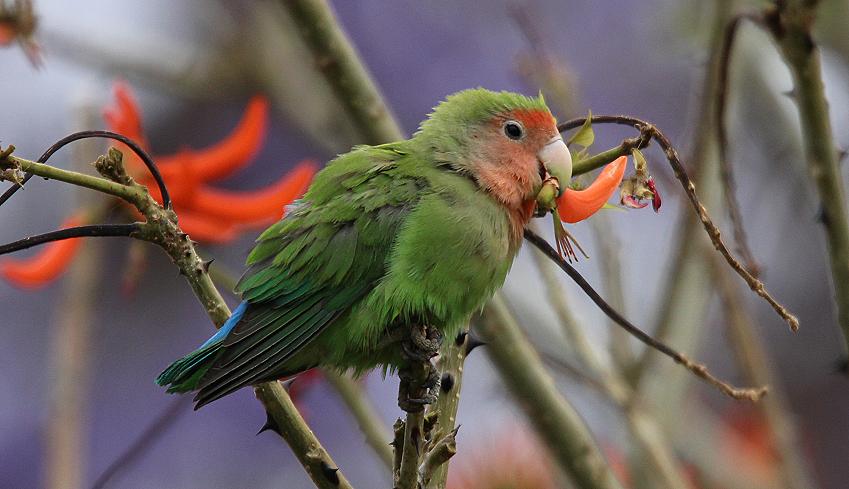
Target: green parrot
[415,232]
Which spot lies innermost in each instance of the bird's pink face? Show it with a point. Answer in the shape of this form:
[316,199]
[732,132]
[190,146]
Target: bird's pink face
[516,151]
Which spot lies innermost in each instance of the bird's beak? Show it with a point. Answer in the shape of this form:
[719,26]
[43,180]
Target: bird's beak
[557,161]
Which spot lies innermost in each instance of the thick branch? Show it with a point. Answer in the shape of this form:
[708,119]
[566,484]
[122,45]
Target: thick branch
[291,426]
[450,364]
[161,228]
[554,419]
[791,25]
[337,59]
[374,430]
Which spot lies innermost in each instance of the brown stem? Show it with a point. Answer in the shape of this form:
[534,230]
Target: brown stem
[726,169]
[698,369]
[690,189]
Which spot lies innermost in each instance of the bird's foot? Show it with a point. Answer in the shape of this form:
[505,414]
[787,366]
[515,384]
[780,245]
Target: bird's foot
[422,344]
[419,383]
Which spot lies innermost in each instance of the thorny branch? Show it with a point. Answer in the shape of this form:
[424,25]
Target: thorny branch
[713,232]
[161,228]
[791,22]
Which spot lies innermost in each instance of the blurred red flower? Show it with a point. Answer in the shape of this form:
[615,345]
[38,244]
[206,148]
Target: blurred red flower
[206,213]
[514,460]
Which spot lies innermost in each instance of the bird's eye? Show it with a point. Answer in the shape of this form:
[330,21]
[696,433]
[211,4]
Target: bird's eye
[514,130]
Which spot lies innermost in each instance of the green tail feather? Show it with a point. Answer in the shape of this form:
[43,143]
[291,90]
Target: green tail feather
[184,374]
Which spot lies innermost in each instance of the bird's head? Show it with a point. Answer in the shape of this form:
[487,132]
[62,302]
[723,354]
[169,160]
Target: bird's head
[508,143]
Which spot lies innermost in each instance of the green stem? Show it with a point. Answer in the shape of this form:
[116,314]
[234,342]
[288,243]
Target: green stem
[161,228]
[325,474]
[451,363]
[791,26]
[599,160]
[554,419]
[134,195]
[374,430]
[408,471]
[336,58]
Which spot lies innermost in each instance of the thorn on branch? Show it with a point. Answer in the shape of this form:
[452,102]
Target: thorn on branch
[269,425]
[446,383]
[330,473]
[842,366]
[473,342]
[822,216]
[461,338]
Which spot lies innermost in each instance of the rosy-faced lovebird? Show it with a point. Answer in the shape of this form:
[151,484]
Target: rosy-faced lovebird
[421,231]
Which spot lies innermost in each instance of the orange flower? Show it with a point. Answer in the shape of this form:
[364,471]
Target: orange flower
[48,264]
[206,213]
[577,205]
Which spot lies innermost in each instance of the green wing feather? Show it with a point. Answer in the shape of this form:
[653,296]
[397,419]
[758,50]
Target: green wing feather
[310,268]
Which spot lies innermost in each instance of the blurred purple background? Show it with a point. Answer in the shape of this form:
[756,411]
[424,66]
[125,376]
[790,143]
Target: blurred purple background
[639,58]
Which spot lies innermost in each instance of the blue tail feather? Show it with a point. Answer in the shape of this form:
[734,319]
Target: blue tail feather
[184,374]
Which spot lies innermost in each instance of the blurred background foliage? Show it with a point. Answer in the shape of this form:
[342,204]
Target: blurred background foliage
[80,354]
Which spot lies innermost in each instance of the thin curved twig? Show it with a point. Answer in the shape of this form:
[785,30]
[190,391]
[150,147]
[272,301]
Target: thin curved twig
[699,370]
[93,230]
[141,153]
[726,170]
[139,446]
[690,189]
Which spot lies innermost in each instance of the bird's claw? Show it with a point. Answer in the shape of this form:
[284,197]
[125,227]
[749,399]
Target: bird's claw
[424,343]
[419,379]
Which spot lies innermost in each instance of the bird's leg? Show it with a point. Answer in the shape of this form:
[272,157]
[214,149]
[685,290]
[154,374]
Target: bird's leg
[419,375]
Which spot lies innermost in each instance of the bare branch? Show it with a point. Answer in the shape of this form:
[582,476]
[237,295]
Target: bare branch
[696,368]
[690,189]
[93,230]
[146,159]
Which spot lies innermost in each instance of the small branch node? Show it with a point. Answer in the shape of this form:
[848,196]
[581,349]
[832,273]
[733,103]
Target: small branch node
[111,166]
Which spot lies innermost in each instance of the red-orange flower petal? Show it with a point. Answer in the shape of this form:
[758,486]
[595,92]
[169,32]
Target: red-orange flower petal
[125,118]
[207,229]
[259,205]
[577,205]
[182,182]
[44,267]
[234,152]
[8,33]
